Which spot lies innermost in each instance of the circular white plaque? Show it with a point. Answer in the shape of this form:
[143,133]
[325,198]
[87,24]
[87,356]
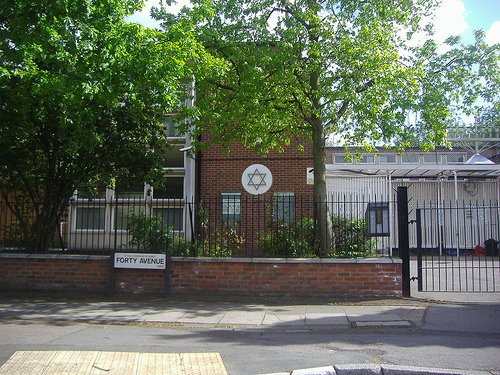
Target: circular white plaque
[257,179]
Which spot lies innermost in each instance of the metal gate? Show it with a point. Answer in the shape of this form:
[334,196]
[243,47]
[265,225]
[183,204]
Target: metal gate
[458,249]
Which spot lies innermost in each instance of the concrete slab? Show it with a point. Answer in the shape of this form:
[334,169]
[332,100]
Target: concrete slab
[295,320]
[95,363]
[364,369]
[243,318]
[337,319]
[165,317]
[327,370]
[114,363]
[125,315]
[200,317]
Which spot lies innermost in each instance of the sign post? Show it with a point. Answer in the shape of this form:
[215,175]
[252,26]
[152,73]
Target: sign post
[141,261]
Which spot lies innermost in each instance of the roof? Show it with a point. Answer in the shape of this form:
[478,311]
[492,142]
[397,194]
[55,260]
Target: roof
[416,170]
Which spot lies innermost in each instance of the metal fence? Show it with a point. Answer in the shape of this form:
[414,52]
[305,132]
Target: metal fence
[457,248]
[283,225]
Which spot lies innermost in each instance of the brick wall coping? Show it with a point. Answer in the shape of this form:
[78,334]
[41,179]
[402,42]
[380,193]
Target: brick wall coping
[383,260]
[53,256]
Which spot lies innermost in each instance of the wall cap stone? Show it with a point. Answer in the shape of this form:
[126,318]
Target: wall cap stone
[53,256]
[382,260]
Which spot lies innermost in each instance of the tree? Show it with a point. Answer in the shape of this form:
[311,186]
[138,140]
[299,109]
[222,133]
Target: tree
[83,96]
[311,69]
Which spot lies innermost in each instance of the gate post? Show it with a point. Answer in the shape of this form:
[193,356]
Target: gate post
[403,238]
[419,250]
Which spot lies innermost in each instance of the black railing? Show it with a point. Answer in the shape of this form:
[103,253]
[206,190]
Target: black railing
[229,226]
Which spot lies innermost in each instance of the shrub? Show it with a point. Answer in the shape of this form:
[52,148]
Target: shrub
[350,238]
[294,239]
[220,242]
[148,233]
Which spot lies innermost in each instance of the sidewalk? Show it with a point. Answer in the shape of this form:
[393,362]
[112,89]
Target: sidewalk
[218,314]
[239,313]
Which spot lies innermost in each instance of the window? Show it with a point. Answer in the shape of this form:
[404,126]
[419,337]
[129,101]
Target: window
[231,206]
[367,159]
[455,158]
[126,189]
[341,159]
[284,206]
[122,213]
[171,126]
[173,188]
[90,218]
[99,193]
[387,159]
[431,158]
[171,217]
[410,158]
[175,157]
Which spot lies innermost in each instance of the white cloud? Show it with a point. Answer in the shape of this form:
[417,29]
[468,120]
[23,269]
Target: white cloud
[449,20]
[493,34]
[143,17]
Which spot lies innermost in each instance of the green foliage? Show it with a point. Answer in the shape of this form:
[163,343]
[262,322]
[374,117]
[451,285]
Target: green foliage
[350,238]
[216,240]
[220,242]
[181,247]
[83,96]
[299,239]
[307,69]
[149,233]
[290,240]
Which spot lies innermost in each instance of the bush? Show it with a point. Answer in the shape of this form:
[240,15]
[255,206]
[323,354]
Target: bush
[350,238]
[220,242]
[149,233]
[290,239]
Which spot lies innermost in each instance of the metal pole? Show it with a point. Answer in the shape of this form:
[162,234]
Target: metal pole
[403,238]
[419,250]
[168,270]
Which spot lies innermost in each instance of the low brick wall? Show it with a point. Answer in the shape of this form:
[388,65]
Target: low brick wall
[251,276]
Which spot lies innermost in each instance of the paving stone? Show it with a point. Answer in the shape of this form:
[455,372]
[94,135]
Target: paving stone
[243,317]
[201,318]
[112,363]
[115,363]
[338,319]
[358,369]
[378,317]
[328,370]
[167,316]
[296,320]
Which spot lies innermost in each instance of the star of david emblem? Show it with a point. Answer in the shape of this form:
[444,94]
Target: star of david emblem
[257,179]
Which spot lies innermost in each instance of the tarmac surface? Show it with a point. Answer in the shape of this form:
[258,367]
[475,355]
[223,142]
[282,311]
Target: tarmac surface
[209,311]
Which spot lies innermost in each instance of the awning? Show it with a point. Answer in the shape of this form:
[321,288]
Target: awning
[416,170]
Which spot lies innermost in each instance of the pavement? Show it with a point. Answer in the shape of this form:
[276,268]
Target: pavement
[240,313]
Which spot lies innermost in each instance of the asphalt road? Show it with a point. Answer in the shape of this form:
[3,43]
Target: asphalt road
[255,351]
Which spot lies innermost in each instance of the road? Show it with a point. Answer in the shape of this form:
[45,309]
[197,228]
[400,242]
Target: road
[250,350]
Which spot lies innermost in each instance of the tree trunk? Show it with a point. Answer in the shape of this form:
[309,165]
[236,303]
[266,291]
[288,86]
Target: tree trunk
[323,217]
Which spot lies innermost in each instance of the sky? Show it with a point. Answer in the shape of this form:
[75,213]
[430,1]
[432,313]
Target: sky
[454,17]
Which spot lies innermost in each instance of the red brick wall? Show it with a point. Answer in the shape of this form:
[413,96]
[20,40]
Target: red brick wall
[46,272]
[293,278]
[380,277]
[221,173]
